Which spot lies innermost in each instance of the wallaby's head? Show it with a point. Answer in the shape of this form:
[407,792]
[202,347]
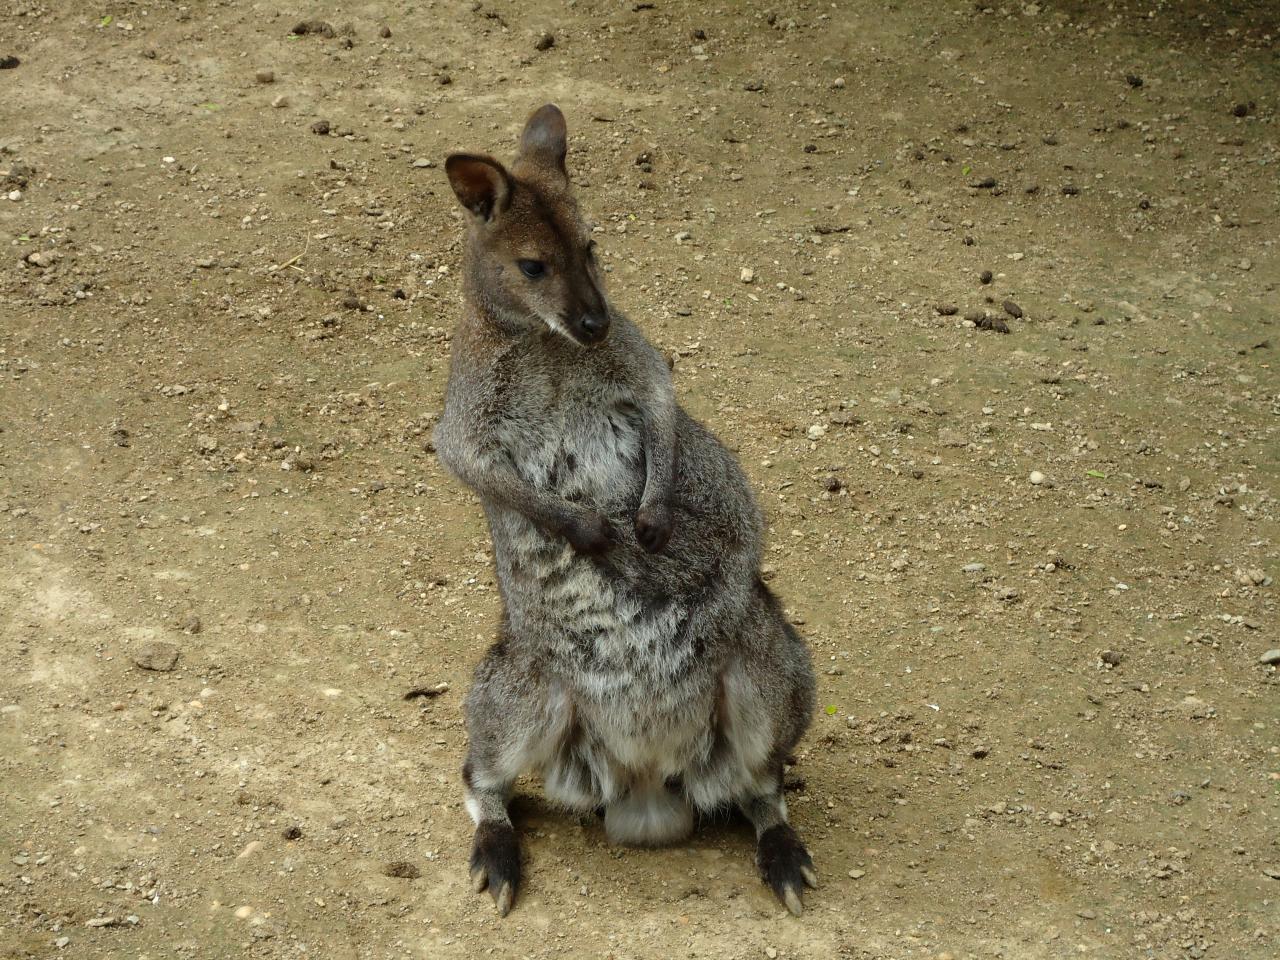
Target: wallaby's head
[530,257]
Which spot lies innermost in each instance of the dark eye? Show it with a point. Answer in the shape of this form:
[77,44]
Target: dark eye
[532,269]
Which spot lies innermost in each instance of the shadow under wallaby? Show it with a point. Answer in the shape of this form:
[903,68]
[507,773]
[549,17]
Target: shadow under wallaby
[641,665]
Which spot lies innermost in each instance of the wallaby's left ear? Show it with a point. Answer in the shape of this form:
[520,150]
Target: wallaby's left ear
[482,184]
[545,139]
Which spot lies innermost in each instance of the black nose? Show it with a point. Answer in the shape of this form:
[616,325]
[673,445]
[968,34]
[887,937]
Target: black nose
[593,326]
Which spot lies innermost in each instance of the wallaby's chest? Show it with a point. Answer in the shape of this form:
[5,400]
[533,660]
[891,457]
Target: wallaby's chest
[584,442]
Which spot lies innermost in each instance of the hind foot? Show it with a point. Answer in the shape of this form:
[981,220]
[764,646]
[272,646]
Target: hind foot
[785,865]
[495,863]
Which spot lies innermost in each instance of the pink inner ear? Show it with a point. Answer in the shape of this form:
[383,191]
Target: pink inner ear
[480,183]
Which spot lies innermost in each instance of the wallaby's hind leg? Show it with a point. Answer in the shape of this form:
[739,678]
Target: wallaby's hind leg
[495,852]
[514,720]
[785,864]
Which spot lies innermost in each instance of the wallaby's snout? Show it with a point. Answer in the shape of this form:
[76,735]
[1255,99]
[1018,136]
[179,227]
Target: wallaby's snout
[590,325]
[530,256]
[593,327]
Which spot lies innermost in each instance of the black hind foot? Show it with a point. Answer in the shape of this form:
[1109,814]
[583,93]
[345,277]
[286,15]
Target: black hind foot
[495,863]
[785,865]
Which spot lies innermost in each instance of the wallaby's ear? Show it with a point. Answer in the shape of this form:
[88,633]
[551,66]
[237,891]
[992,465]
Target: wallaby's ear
[481,183]
[545,139]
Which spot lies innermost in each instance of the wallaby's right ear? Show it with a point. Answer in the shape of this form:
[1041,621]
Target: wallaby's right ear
[482,184]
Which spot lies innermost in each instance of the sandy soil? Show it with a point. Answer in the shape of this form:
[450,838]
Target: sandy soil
[1035,568]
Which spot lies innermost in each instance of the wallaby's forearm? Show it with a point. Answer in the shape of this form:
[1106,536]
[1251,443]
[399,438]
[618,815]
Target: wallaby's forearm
[659,455]
[498,483]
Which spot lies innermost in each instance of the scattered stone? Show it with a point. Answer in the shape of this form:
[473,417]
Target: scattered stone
[833,484]
[423,163]
[857,874]
[1240,110]
[191,624]
[9,62]
[1112,658]
[320,28]
[1133,80]
[1272,872]
[320,127]
[206,443]
[753,85]
[985,277]
[747,275]
[102,922]
[265,76]
[293,832]
[980,753]
[1037,478]
[156,655]
[280,101]
[974,567]
[402,869]
[1271,657]
[1007,594]
[384,32]
[986,183]
[1070,190]
[837,83]
[544,41]
[1012,309]
[946,309]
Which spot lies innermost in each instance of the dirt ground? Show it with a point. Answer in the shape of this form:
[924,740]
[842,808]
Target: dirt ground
[1036,568]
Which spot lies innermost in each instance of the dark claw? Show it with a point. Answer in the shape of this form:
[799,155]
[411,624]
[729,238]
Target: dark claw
[495,863]
[653,527]
[785,865]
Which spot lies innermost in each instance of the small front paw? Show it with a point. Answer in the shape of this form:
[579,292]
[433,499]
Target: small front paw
[591,534]
[653,526]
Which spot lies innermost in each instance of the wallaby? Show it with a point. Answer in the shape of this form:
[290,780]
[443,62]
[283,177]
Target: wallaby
[641,666]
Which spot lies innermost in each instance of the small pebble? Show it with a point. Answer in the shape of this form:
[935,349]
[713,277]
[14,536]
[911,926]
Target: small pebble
[156,655]
[857,874]
[1037,478]
[747,275]
[974,567]
[320,127]
[265,76]
[544,41]
[985,276]
[1012,309]
[1271,657]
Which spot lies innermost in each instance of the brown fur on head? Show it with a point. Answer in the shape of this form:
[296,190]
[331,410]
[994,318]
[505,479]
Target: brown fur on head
[529,258]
